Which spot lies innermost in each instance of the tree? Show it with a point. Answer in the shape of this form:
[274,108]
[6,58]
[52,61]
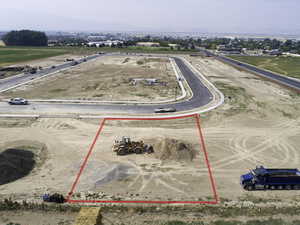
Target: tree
[25,38]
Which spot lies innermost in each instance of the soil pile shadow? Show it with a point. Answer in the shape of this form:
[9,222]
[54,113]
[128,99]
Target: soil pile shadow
[15,164]
[171,149]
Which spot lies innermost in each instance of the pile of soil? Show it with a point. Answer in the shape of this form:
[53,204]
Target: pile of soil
[171,149]
[15,164]
[18,161]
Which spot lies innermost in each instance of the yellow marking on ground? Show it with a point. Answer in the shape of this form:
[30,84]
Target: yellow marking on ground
[89,216]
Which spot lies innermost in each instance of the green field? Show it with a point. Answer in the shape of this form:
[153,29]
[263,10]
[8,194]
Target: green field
[11,55]
[289,66]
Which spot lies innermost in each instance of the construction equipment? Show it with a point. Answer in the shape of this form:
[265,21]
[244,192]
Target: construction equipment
[57,198]
[271,179]
[126,147]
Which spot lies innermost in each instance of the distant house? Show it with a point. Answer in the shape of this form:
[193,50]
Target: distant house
[148,44]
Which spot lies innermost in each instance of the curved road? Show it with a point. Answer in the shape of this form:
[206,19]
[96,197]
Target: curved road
[201,97]
[286,81]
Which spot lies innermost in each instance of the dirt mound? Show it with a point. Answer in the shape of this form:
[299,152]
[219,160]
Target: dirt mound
[171,149]
[18,162]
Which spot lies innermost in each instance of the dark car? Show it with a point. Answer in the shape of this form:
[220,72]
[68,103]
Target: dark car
[18,101]
[164,110]
[74,63]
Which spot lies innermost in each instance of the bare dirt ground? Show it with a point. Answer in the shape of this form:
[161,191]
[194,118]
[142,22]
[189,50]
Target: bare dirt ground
[37,218]
[257,125]
[107,78]
[108,176]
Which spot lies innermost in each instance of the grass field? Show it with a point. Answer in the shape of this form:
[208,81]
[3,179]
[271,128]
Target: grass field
[14,55]
[289,66]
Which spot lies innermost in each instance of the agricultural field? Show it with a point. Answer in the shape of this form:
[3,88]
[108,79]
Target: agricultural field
[107,78]
[9,55]
[289,66]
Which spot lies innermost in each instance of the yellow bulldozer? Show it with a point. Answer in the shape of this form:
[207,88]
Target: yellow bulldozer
[125,147]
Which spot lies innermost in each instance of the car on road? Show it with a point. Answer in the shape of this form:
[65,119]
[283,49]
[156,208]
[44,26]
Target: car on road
[74,63]
[18,101]
[164,110]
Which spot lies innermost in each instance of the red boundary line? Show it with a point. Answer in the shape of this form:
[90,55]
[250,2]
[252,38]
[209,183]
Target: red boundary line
[202,144]
[86,159]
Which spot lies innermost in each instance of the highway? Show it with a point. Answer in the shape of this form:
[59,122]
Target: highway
[201,97]
[283,80]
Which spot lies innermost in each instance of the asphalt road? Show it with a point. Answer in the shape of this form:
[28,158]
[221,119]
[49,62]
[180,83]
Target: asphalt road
[267,74]
[201,96]
[22,78]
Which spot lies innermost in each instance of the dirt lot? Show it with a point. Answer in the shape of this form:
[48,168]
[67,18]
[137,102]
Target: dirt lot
[168,176]
[257,125]
[107,78]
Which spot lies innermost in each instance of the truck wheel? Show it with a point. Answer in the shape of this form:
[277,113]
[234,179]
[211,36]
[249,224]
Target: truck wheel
[296,187]
[280,187]
[273,187]
[288,187]
[249,188]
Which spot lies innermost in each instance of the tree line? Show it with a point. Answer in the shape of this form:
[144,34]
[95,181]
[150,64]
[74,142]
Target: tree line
[25,38]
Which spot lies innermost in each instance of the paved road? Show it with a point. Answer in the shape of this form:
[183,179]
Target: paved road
[201,97]
[267,74]
[12,81]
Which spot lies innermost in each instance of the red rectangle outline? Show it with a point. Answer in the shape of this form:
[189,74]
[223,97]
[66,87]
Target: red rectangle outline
[202,144]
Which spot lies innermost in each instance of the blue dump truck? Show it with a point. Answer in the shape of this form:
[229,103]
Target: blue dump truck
[271,179]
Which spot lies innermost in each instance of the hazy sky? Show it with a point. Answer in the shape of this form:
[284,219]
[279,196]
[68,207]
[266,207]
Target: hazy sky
[252,16]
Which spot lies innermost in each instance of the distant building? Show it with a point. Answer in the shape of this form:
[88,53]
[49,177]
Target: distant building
[96,37]
[104,43]
[275,52]
[223,49]
[173,45]
[148,44]
[256,52]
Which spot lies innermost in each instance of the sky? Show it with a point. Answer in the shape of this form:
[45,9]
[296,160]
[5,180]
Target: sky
[212,16]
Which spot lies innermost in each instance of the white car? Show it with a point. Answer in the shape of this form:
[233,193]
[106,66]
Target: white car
[18,101]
